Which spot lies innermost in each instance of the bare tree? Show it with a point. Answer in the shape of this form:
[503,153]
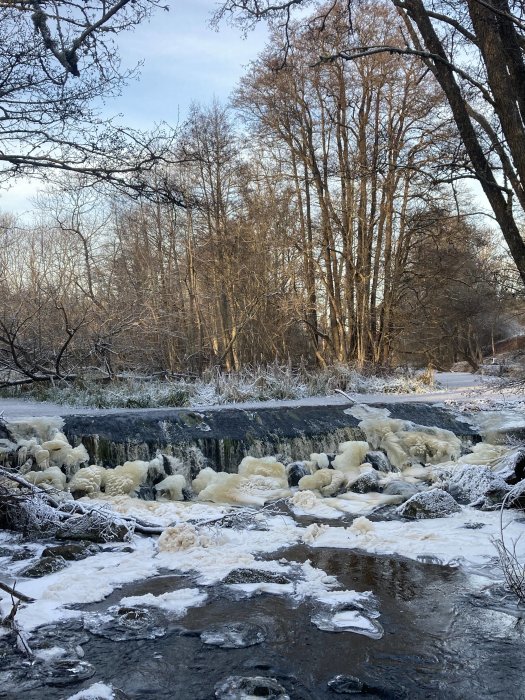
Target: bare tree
[475,51]
[56,59]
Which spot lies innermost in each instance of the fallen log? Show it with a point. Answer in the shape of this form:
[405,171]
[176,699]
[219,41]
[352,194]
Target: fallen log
[41,512]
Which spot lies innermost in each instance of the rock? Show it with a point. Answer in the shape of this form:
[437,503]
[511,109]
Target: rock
[295,471]
[435,503]
[20,554]
[254,576]
[45,565]
[244,688]
[477,486]
[346,685]
[366,482]
[73,551]
[401,488]
[512,467]
[146,493]
[380,461]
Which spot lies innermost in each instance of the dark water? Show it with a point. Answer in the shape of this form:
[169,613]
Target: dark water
[439,641]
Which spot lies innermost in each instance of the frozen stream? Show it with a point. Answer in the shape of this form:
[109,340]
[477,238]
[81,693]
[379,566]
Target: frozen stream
[310,580]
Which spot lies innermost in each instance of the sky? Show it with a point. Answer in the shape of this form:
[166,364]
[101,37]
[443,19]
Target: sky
[185,60]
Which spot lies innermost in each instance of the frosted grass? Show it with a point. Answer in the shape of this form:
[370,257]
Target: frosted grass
[273,382]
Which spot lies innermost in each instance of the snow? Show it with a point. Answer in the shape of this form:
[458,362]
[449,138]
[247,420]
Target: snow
[97,691]
[177,602]
[450,540]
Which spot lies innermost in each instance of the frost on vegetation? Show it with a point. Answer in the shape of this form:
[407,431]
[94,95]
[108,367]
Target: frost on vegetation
[273,382]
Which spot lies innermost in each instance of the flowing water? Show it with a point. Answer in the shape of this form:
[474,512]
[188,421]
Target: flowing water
[439,641]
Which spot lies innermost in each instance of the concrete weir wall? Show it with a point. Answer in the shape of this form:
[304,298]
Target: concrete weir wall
[221,437]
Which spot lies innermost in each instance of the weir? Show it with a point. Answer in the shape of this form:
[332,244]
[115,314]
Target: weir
[221,437]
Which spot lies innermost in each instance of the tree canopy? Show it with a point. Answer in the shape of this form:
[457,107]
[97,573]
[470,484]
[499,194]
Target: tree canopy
[475,50]
[57,61]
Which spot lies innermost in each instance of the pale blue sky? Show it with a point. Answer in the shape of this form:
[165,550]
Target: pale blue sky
[185,60]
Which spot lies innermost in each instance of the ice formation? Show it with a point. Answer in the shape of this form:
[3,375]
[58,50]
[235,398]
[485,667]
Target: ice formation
[203,479]
[176,602]
[241,490]
[52,476]
[326,481]
[88,480]
[172,485]
[267,467]
[404,442]
[351,455]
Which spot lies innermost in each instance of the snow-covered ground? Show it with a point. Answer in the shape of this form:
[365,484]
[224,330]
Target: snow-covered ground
[457,386]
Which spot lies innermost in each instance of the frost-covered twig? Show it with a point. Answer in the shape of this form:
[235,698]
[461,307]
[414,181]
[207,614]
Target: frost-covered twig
[28,485]
[10,623]
[14,593]
[513,568]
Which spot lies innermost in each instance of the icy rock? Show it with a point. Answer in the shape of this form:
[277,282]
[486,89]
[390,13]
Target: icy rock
[45,566]
[345,685]
[295,471]
[146,493]
[435,503]
[246,688]
[401,488]
[380,461]
[5,434]
[366,482]
[512,467]
[477,486]
[73,551]
[254,576]
[236,635]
